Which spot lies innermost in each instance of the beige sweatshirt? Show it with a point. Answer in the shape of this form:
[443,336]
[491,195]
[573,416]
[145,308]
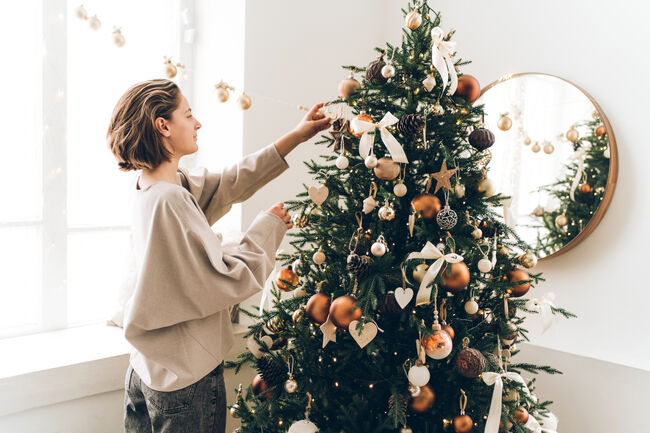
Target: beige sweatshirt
[177,320]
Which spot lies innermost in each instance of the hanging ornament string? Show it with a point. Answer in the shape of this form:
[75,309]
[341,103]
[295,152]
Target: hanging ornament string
[463,402]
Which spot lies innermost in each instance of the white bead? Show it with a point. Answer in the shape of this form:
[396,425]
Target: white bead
[471,307]
[419,375]
[371,161]
[342,162]
[399,190]
[378,249]
[484,265]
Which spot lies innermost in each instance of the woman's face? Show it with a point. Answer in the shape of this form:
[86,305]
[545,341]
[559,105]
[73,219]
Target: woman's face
[183,129]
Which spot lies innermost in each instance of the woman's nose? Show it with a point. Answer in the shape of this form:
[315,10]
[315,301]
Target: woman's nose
[198,125]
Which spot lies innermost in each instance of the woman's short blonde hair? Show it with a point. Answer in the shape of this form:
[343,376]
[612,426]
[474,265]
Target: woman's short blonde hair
[132,136]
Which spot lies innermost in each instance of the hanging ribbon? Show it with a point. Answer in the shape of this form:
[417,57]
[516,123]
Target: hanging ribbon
[367,140]
[580,157]
[491,378]
[441,52]
[544,308]
[431,252]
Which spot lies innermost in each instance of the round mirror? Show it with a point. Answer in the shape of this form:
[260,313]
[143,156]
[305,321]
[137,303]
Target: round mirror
[554,155]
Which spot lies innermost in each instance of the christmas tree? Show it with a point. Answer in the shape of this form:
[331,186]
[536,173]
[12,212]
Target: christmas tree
[580,191]
[407,292]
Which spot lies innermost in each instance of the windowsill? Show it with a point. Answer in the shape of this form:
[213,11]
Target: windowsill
[52,367]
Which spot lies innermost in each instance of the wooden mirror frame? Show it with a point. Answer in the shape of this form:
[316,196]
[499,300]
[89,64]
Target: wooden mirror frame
[613,163]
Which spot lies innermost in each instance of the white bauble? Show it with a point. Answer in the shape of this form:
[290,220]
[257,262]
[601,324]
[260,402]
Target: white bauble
[536,147]
[399,190]
[477,233]
[319,257]
[303,426]
[471,306]
[388,71]
[406,430]
[459,189]
[300,292]
[378,249]
[419,375]
[484,265]
[118,38]
[342,162]
[371,161]
[606,153]
[94,22]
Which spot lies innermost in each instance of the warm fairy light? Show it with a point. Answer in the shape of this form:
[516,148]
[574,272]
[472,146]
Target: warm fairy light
[371,386]
[336,384]
[334,359]
[280,422]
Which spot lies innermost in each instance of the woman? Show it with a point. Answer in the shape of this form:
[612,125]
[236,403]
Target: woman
[177,320]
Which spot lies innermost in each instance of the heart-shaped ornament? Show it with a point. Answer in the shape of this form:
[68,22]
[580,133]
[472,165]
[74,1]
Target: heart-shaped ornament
[255,347]
[368,333]
[403,296]
[318,194]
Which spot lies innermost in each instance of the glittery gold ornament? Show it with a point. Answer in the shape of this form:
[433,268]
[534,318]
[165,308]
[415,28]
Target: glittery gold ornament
[387,169]
[413,20]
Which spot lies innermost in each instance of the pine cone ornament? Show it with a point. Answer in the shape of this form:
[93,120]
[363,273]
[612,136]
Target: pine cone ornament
[373,72]
[410,124]
[470,363]
[481,139]
[272,373]
[358,265]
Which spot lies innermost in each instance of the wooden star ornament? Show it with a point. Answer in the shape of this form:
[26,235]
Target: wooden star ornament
[443,177]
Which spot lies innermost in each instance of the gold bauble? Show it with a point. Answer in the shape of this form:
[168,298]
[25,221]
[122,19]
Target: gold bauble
[288,275]
[601,131]
[536,147]
[548,148]
[244,101]
[561,220]
[300,220]
[386,212]
[386,169]
[363,117]
[520,289]
[572,135]
[426,205]
[486,187]
[222,94]
[528,260]
[527,141]
[348,86]
[419,272]
[504,123]
[344,310]
[297,315]
[413,20]
[170,70]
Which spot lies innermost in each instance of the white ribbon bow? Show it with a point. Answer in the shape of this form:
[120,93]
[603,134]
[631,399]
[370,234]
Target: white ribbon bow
[367,140]
[441,52]
[431,252]
[491,378]
[580,156]
[544,308]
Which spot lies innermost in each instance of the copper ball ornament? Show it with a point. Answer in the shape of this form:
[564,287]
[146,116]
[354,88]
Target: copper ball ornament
[259,386]
[585,189]
[455,277]
[520,289]
[521,415]
[463,424]
[286,280]
[468,88]
[348,86]
[318,307]
[601,131]
[426,205]
[470,363]
[386,168]
[344,310]
[363,117]
[424,400]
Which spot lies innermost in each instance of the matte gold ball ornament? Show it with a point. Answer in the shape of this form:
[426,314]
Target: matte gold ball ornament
[387,169]
[572,135]
[536,147]
[94,23]
[244,101]
[548,148]
[348,86]
[504,123]
[561,220]
[170,69]
[413,20]
[419,272]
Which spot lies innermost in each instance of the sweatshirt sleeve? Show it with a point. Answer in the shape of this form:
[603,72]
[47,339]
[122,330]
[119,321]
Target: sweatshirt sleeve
[185,272]
[216,192]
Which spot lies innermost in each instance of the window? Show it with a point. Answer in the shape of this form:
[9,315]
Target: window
[64,223]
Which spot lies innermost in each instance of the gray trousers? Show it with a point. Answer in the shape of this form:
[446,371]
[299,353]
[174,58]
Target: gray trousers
[197,408]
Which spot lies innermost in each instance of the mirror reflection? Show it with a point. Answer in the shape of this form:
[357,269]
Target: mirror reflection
[552,156]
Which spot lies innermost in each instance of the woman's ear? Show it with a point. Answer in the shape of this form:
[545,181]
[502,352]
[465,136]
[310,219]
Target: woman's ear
[162,126]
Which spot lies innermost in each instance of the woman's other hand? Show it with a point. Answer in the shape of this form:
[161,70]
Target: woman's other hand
[279,210]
